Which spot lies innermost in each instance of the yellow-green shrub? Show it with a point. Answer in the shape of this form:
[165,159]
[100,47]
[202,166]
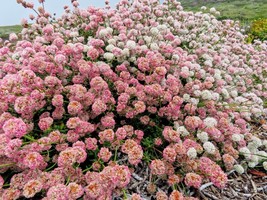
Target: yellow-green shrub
[258,30]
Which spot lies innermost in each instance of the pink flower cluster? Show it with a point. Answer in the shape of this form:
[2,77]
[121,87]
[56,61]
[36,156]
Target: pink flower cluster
[85,95]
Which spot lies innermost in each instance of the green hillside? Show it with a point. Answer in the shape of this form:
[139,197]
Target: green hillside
[233,9]
[6,30]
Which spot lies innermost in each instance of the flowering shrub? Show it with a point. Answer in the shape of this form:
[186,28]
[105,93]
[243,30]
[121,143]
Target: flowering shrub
[146,81]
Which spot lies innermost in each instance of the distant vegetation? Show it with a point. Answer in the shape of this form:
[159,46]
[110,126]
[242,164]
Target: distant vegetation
[252,14]
[6,30]
[243,10]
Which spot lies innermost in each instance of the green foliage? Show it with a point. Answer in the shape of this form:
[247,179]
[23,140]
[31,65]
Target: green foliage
[258,30]
[6,30]
[242,10]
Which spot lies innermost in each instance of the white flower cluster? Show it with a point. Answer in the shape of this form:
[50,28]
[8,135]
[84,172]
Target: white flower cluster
[264,164]
[239,169]
[182,130]
[192,153]
[130,44]
[203,136]
[206,95]
[209,147]
[109,56]
[237,137]
[210,122]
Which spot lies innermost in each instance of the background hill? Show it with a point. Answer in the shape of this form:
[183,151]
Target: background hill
[243,10]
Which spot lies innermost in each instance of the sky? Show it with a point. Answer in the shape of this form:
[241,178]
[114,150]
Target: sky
[11,13]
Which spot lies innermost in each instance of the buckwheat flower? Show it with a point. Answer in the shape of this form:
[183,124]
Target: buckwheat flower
[213,10]
[135,155]
[262,155]
[169,154]
[104,154]
[256,141]
[206,95]
[1,182]
[203,136]
[67,157]
[140,107]
[225,93]
[236,137]
[109,56]
[106,135]
[103,33]
[33,160]
[15,127]
[73,122]
[57,192]
[11,193]
[126,52]
[60,59]
[173,179]
[182,130]
[91,143]
[99,107]
[154,31]
[157,167]
[130,44]
[264,143]
[154,46]
[74,107]
[219,179]
[192,122]
[228,161]
[158,141]
[210,122]
[193,179]
[209,147]
[160,195]
[76,190]
[264,164]
[191,153]
[93,189]
[170,135]
[13,37]
[176,195]
[239,169]
[31,188]
[121,133]
[45,123]
[123,175]
[12,146]
[252,164]
[203,8]
[135,196]
[245,151]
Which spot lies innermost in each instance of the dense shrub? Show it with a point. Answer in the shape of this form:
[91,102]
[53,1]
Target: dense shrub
[88,98]
[258,30]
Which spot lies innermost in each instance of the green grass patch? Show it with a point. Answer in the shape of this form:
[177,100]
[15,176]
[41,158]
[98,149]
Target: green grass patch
[6,30]
[242,10]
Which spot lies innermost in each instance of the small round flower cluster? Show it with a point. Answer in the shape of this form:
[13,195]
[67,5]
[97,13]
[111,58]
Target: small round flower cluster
[97,90]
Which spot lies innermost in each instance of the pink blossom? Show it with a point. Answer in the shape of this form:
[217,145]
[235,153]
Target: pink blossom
[60,192]
[193,179]
[104,154]
[31,188]
[157,167]
[91,143]
[33,160]
[45,123]
[15,128]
